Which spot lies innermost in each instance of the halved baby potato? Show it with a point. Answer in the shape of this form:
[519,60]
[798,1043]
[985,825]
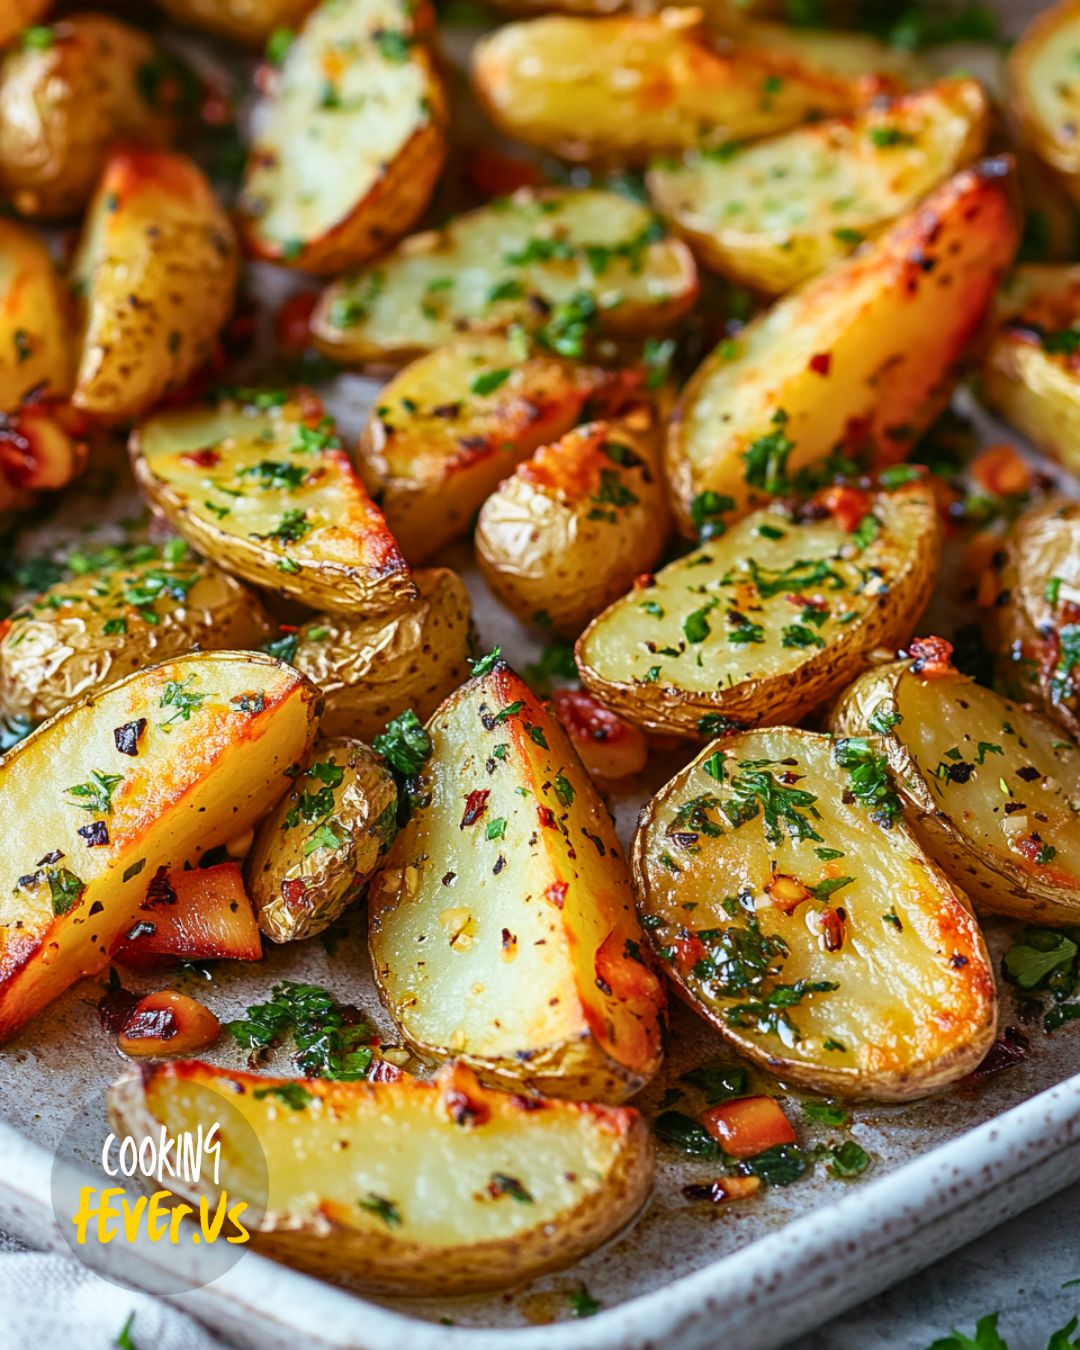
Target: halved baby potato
[407,1186]
[36,349]
[502,926]
[142,776]
[323,840]
[773,214]
[370,670]
[100,626]
[768,620]
[798,915]
[259,483]
[1044,89]
[860,358]
[561,263]
[991,788]
[453,424]
[576,523]
[1031,370]
[632,85]
[350,141]
[248,21]
[154,275]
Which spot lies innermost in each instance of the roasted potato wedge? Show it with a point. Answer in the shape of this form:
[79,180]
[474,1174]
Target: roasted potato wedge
[247,21]
[629,86]
[773,214]
[559,261]
[1044,89]
[323,840]
[63,103]
[991,788]
[264,488]
[865,355]
[575,524]
[502,926]
[1031,369]
[358,88]
[878,67]
[36,349]
[454,423]
[193,914]
[155,274]
[1034,622]
[369,670]
[409,1187]
[141,776]
[774,617]
[806,923]
[102,625]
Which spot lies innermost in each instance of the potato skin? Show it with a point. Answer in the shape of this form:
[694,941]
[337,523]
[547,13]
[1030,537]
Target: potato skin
[36,350]
[576,523]
[63,106]
[65,644]
[1041,84]
[155,232]
[588,1169]
[372,669]
[248,21]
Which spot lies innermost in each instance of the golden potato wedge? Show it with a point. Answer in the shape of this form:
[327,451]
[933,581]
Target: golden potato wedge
[322,841]
[558,262]
[575,524]
[369,670]
[247,21]
[36,349]
[1044,89]
[259,483]
[1034,623]
[865,355]
[773,214]
[774,617]
[351,141]
[145,774]
[454,423]
[798,915]
[64,102]
[155,274]
[409,1187]
[991,788]
[1031,369]
[99,626]
[632,85]
[502,926]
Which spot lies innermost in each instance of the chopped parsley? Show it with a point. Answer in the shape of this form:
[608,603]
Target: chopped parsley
[96,795]
[405,744]
[382,1209]
[766,458]
[332,1041]
[869,781]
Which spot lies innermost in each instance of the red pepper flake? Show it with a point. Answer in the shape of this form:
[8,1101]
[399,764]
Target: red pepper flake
[463,1110]
[115,1007]
[643,581]
[382,1071]
[556,893]
[294,893]
[821,363]
[1010,1049]
[847,506]
[475,806]
[931,657]
[205,458]
[153,1024]
[546,816]
[160,891]
[832,928]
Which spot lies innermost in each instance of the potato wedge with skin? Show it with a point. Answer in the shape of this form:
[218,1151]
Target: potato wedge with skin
[774,617]
[502,926]
[411,1187]
[322,841]
[557,261]
[1034,623]
[1044,89]
[149,772]
[156,272]
[991,788]
[454,423]
[862,973]
[774,214]
[1031,369]
[247,21]
[64,103]
[576,523]
[370,670]
[382,113]
[96,628]
[264,489]
[865,355]
[36,350]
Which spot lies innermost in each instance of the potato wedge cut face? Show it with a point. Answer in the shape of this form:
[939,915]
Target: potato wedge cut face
[35,341]
[773,214]
[1042,82]
[579,257]
[770,618]
[358,90]
[814,366]
[268,493]
[826,947]
[412,1186]
[154,770]
[502,924]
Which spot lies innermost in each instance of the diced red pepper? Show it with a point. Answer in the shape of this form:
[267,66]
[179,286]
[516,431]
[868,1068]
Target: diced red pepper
[748,1126]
